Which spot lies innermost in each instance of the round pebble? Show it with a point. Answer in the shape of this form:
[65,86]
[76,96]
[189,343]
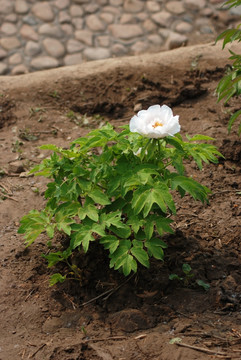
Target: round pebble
[37,35]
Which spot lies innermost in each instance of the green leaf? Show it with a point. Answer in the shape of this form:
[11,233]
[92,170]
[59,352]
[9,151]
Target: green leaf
[186,268]
[113,184]
[163,225]
[139,198]
[199,137]
[145,197]
[112,218]
[177,162]
[162,197]
[174,277]
[50,147]
[67,208]
[149,228]
[140,254]
[123,231]
[88,210]
[31,236]
[155,246]
[129,264]
[135,223]
[110,243]
[82,237]
[175,340]
[175,142]
[56,278]
[33,224]
[50,230]
[118,256]
[64,225]
[196,190]
[98,229]
[232,119]
[99,197]
[53,258]
[204,285]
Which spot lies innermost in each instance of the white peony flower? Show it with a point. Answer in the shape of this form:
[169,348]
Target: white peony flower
[155,122]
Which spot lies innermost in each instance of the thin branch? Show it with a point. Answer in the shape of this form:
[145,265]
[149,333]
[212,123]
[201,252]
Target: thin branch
[40,348]
[96,298]
[108,293]
[120,337]
[224,191]
[5,188]
[197,348]
[8,197]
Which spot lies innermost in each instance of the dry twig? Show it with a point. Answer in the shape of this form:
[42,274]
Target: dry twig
[207,351]
[108,293]
[39,348]
[120,337]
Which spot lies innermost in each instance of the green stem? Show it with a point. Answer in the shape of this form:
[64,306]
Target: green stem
[159,147]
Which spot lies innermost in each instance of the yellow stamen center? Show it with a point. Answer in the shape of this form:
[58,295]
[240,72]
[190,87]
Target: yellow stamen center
[157,123]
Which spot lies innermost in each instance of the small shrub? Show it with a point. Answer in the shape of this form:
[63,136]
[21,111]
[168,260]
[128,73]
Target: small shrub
[116,188]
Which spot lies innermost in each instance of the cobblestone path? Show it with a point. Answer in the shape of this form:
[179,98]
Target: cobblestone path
[37,35]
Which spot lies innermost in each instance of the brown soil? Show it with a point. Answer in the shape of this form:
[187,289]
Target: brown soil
[144,312]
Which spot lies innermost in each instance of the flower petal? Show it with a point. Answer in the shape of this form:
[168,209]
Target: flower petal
[155,122]
[134,124]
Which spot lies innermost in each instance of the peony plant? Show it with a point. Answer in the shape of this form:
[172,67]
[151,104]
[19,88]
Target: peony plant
[116,188]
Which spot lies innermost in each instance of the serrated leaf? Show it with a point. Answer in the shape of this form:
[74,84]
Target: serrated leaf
[139,199]
[112,218]
[82,237]
[174,141]
[163,225]
[199,137]
[110,243]
[56,278]
[162,197]
[155,247]
[117,258]
[91,211]
[53,258]
[32,225]
[50,230]
[31,236]
[123,231]
[98,229]
[65,226]
[232,119]
[129,264]
[68,208]
[145,197]
[196,190]
[50,147]
[113,184]
[141,255]
[135,223]
[99,197]
[149,228]
[177,162]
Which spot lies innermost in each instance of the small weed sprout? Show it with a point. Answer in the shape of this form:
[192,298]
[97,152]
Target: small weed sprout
[16,147]
[230,85]
[187,278]
[116,188]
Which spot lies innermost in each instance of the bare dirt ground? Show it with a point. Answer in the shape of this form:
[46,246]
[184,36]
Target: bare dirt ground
[143,313]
